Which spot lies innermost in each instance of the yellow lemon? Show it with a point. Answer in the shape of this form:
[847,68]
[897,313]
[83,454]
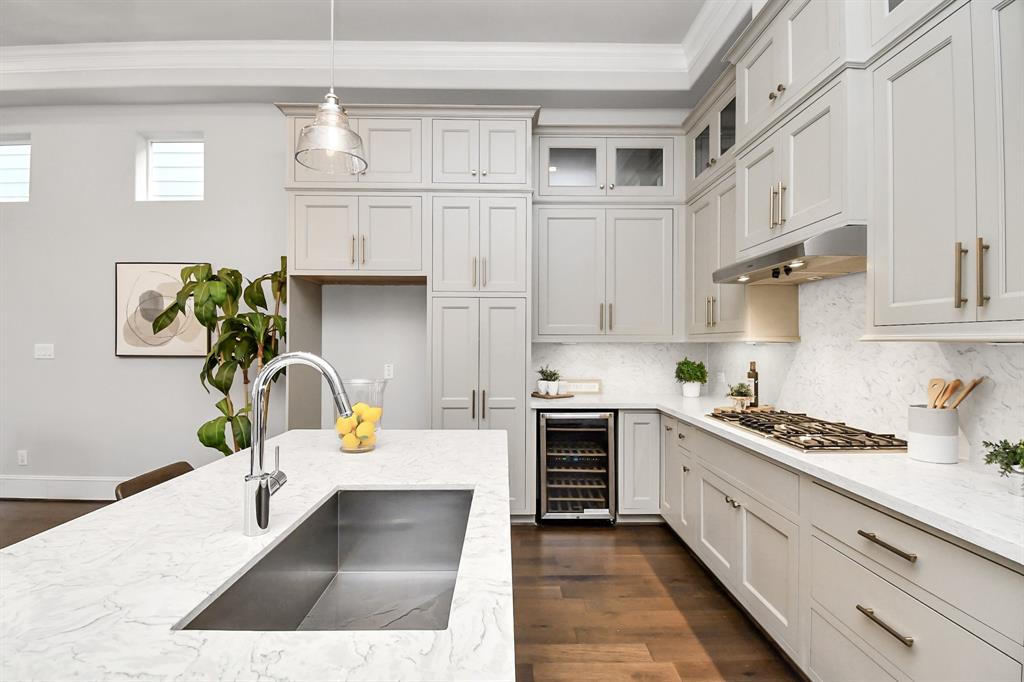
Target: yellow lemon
[371,441]
[365,430]
[350,441]
[372,414]
[345,425]
[358,409]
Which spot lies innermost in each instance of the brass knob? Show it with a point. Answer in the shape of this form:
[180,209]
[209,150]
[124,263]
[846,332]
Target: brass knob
[600,186]
[712,162]
[780,87]
[611,185]
[473,172]
[483,173]
[772,95]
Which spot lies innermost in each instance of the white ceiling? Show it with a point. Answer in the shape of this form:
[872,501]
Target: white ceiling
[43,22]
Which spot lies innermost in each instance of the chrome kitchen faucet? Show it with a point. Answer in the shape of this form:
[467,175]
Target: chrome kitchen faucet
[259,485]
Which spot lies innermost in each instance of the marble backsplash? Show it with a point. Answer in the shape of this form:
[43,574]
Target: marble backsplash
[830,373]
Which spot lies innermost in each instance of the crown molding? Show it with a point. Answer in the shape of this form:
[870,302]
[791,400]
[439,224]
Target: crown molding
[714,25]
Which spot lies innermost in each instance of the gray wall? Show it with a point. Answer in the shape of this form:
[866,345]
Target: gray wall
[88,413]
[365,327]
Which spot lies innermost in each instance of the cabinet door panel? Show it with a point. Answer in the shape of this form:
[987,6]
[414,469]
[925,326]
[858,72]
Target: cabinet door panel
[456,154]
[812,35]
[756,77]
[571,271]
[503,385]
[835,658]
[456,243]
[394,149]
[326,230]
[999,92]
[640,167]
[769,553]
[689,499]
[814,162]
[729,309]
[503,147]
[718,526]
[924,200]
[758,173]
[669,481]
[703,248]
[638,461]
[503,245]
[572,166]
[639,262]
[455,366]
[390,233]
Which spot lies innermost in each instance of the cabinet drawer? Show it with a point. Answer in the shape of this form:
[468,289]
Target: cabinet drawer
[834,658]
[685,435]
[935,648]
[771,483]
[992,594]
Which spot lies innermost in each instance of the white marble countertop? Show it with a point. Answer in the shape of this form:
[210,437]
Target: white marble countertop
[97,598]
[970,502]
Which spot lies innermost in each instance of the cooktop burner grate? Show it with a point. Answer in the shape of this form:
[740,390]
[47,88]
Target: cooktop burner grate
[808,433]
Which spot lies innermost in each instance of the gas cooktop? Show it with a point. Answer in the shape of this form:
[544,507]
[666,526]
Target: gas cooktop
[808,433]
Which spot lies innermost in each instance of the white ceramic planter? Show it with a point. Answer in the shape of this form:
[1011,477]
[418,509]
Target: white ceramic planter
[553,388]
[691,389]
[542,386]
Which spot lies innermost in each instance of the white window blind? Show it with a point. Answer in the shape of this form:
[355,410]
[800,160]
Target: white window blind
[175,171]
[15,160]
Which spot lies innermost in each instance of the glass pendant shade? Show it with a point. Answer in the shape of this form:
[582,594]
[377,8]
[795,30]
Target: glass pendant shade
[329,145]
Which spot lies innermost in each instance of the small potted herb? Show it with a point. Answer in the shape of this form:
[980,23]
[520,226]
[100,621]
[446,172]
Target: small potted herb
[741,395]
[548,382]
[691,375]
[1010,459]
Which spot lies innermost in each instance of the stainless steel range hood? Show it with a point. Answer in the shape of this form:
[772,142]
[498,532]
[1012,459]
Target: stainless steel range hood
[837,252]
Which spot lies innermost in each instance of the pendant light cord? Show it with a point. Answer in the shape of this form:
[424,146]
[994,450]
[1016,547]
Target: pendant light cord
[332,47]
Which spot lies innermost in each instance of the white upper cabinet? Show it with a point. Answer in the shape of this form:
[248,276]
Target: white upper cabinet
[758,182]
[470,151]
[480,244]
[711,244]
[638,252]
[711,135]
[607,167]
[605,272]
[923,247]
[348,232]
[999,144]
[570,271]
[757,82]
[394,149]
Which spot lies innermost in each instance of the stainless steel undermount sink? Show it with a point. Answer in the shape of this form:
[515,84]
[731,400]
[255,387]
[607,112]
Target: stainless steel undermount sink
[364,560]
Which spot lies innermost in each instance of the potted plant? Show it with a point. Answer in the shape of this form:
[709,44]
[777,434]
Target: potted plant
[691,375]
[1010,459]
[741,395]
[548,382]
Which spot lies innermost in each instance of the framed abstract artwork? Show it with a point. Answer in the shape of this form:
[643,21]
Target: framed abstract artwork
[141,292]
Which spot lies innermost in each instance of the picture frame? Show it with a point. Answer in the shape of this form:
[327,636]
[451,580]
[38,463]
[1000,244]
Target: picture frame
[142,290]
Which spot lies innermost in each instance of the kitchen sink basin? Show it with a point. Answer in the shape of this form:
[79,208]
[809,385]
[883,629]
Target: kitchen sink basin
[364,560]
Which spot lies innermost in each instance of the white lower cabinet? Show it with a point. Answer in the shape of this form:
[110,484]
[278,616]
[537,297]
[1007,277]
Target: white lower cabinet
[478,376]
[835,658]
[718,527]
[670,494]
[639,462]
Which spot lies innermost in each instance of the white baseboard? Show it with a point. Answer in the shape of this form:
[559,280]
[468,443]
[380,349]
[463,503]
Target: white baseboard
[58,487]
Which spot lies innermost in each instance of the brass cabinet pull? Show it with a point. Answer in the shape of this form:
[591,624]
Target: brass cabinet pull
[979,255]
[958,275]
[870,613]
[352,251]
[473,268]
[483,404]
[771,207]
[681,436]
[364,250]
[713,301]
[882,543]
[472,404]
[610,318]
[483,269]
[686,470]
[600,317]
[782,193]
[707,318]
[734,503]
[712,162]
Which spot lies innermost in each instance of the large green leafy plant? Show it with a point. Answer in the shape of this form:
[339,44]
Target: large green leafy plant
[240,340]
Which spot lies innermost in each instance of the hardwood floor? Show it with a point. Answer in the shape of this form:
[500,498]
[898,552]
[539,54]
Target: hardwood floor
[591,604]
[627,603]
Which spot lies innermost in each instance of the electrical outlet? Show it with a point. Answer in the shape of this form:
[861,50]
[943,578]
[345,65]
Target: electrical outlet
[23,458]
[389,371]
[43,351]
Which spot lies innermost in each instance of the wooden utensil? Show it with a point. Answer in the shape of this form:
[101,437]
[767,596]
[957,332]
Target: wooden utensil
[935,388]
[951,388]
[966,392]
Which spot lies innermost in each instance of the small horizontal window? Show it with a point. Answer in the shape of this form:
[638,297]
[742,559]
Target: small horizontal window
[175,171]
[15,162]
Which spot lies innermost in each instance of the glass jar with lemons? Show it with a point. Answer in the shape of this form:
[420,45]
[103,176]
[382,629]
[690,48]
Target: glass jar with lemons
[359,432]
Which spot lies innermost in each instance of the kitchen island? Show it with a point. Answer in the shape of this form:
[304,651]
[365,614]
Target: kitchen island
[101,597]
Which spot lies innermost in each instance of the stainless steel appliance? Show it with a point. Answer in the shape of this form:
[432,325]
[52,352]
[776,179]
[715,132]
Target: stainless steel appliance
[808,433]
[577,465]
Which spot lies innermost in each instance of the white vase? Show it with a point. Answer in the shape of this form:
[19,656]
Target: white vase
[691,389]
[552,388]
[542,386]
[1017,481]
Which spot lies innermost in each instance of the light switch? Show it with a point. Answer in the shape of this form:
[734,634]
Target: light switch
[23,458]
[44,351]
[389,371]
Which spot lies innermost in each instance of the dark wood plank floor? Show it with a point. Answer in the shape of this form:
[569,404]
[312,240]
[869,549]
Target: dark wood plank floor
[591,604]
[627,603]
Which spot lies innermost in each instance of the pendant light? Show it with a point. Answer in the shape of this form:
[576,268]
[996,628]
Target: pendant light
[329,144]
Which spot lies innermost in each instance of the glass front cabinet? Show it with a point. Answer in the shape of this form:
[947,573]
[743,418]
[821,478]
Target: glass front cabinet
[710,138]
[606,166]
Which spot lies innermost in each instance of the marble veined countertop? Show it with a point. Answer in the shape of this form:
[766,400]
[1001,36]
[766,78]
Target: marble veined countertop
[97,598]
[968,501]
